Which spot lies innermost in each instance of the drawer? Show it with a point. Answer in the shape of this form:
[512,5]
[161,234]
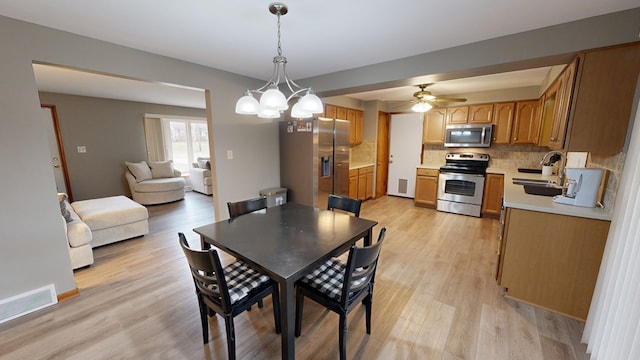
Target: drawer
[365,170]
[428,172]
[353,172]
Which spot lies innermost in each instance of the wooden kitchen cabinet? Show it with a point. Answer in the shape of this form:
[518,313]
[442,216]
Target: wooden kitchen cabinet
[330,111]
[525,123]
[502,122]
[356,120]
[457,115]
[551,260]
[492,196]
[361,183]
[602,99]
[433,126]
[480,114]
[426,188]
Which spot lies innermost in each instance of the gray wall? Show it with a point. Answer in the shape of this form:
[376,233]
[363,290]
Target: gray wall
[33,251]
[112,131]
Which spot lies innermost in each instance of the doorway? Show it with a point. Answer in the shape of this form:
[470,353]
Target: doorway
[56,150]
[405,149]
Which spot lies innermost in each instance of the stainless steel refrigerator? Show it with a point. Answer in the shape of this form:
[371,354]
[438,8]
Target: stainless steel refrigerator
[314,160]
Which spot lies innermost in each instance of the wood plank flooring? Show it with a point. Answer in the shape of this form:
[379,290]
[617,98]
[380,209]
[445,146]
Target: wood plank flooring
[435,298]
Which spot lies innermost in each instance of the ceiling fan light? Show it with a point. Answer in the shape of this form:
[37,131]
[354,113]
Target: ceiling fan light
[421,107]
[298,111]
[273,99]
[247,105]
[311,103]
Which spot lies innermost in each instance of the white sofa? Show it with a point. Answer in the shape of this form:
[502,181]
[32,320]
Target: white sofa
[78,235]
[154,183]
[200,175]
[96,222]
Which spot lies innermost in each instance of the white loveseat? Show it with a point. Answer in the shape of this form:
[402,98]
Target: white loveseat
[200,175]
[154,183]
[78,235]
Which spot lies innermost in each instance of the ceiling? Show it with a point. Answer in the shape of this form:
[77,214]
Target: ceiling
[318,37]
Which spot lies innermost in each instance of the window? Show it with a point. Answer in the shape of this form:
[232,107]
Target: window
[185,140]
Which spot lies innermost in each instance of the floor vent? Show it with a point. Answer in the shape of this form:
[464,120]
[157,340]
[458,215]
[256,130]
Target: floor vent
[28,302]
[402,186]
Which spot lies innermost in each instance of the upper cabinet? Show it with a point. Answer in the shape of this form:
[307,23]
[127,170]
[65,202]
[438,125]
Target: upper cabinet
[433,126]
[354,116]
[481,114]
[457,114]
[503,122]
[602,99]
[525,123]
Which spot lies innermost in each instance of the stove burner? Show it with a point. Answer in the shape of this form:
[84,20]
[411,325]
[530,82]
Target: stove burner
[466,163]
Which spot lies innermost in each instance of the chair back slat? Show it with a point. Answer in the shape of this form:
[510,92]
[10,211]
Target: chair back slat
[361,267]
[246,206]
[344,203]
[207,274]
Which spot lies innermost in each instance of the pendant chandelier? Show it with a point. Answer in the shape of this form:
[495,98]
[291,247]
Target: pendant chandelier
[273,101]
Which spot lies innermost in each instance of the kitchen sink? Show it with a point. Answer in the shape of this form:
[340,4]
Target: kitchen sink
[543,190]
[534,182]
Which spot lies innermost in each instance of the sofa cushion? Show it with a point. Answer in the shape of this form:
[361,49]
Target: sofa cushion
[161,169]
[141,171]
[159,185]
[111,211]
[62,200]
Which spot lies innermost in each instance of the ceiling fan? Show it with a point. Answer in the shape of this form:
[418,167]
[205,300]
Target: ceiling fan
[423,100]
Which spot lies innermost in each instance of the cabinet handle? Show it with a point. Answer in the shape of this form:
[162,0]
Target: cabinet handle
[515,139]
[552,139]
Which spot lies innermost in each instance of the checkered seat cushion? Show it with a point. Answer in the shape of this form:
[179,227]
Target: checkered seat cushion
[241,280]
[328,278]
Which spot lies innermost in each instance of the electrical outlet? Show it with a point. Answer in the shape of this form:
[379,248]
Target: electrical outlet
[229,155]
[82,149]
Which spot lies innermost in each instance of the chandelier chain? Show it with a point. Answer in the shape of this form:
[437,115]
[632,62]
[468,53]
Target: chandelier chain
[279,43]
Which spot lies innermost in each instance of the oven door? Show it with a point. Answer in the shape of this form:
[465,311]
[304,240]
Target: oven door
[461,188]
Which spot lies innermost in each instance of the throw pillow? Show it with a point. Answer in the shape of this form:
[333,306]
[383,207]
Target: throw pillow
[62,197]
[204,164]
[140,171]
[161,169]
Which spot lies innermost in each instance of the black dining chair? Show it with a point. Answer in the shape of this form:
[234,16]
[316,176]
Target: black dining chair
[246,206]
[339,287]
[227,291]
[344,203]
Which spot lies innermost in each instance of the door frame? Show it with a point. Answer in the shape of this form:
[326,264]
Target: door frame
[382,154]
[63,159]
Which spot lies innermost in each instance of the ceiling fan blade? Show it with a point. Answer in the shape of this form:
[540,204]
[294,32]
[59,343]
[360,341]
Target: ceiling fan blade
[446,100]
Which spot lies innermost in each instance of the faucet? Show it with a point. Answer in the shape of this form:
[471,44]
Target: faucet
[563,160]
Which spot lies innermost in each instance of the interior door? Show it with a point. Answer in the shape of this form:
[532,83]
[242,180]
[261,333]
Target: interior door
[56,152]
[405,149]
[382,154]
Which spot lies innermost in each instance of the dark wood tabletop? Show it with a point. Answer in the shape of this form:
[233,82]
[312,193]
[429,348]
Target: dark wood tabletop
[287,242]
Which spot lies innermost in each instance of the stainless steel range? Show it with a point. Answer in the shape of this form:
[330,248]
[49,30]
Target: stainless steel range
[461,183]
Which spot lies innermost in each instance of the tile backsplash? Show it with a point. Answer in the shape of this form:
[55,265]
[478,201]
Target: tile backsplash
[364,153]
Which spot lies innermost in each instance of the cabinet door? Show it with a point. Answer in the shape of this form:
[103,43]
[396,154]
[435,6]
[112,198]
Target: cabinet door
[426,188]
[359,126]
[492,197]
[457,115]
[355,118]
[353,184]
[362,186]
[503,122]
[525,128]
[369,185]
[433,126]
[341,113]
[330,111]
[481,114]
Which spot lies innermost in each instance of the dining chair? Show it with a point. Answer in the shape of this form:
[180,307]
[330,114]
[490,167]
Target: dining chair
[246,206]
[227,291]
[339,287]
[344,203]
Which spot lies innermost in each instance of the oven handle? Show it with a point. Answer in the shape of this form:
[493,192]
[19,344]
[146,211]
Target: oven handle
[459,173]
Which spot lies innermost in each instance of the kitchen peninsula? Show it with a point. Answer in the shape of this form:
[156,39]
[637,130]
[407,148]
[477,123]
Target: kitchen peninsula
[549,254]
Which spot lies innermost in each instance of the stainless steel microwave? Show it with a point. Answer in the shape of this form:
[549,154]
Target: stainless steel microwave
[467,136]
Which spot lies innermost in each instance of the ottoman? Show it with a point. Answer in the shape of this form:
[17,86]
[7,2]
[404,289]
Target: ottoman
[112,219]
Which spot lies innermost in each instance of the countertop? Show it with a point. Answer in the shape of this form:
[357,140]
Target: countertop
[515,197]
[354,166]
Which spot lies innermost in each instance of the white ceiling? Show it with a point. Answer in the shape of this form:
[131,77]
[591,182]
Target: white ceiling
[318,37]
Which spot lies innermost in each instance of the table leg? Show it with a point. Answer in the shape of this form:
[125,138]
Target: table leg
[203,244]
[368,237]
[287,319]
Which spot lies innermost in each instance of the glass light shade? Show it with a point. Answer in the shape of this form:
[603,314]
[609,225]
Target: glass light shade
[247,105]
[268,113]
[298,111]
[421,107]
[312,103]
[273,99]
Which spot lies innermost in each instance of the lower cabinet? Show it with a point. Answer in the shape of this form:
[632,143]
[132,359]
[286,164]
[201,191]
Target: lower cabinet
[361,183]
[551,260]
[492,196]
[426,188]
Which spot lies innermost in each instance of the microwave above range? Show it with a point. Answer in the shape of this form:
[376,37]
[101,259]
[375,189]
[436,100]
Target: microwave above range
[467,136]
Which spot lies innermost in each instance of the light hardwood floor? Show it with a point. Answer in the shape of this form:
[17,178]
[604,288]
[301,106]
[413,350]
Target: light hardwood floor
[435,298]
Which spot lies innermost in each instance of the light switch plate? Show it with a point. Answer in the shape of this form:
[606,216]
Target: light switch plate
[576,159]
[82,149]
[229,154]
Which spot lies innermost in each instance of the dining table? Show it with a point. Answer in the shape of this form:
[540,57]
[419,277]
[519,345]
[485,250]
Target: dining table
[286,243]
